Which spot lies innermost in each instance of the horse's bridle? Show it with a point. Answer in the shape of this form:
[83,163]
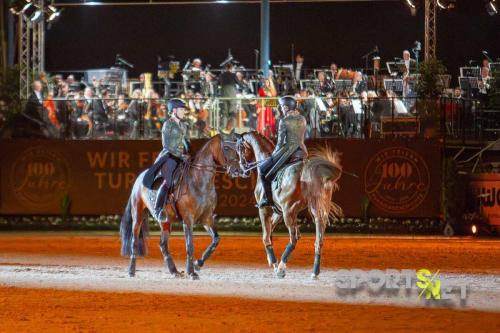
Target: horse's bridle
[245,166]
[218,168]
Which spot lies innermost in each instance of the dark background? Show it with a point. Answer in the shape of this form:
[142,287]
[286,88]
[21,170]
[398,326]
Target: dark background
[90,37]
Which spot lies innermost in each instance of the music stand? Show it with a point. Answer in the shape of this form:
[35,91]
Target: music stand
[343,85]
[394,85]
[328,73]
[468,84]
[283,73]
[470,72]
[494,68]
[306,84]
[396,68]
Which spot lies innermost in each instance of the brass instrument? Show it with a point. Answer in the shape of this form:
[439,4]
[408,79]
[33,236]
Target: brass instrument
[147,92]
[173,68]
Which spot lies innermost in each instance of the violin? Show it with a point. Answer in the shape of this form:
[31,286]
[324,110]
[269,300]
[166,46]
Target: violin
[50,106]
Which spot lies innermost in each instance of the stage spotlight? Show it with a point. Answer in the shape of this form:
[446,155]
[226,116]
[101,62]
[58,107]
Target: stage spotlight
[446,4]
[413,6]
[52,13]
[33,12]
[411,3]
[17,6]
[473,229]
[492,7]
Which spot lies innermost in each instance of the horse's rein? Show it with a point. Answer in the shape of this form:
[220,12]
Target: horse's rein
[218,168]
[248,166]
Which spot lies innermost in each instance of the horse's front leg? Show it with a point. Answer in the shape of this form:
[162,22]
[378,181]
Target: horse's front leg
[211,230]
[265,215]
[188,235]
[290,221]
[167,257]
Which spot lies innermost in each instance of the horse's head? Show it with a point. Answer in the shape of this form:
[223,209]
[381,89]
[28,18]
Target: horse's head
[225,155]
[245,153]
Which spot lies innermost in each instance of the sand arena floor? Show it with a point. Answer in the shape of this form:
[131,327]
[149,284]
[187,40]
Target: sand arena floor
[78,282]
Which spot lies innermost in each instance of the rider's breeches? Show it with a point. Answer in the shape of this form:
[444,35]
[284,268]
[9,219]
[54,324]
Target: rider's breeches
[167,171]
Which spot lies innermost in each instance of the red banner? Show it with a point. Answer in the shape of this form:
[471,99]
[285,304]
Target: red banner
[400,178]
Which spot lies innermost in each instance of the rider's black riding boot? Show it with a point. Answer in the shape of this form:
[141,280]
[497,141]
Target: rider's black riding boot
[267,193]
[161,197]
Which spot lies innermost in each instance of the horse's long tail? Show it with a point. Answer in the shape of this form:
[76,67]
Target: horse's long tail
[127,230]
[320,175]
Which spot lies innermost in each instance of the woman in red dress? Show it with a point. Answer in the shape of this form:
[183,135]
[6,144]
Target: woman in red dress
[265,117]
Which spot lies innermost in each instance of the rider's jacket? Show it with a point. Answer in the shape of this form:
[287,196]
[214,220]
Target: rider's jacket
[290,145]
[291,135]
[174,138]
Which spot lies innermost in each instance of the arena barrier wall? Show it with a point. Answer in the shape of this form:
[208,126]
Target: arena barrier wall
[400,178]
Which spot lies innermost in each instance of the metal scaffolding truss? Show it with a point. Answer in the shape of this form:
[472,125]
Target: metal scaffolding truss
[31,50]
[430,29]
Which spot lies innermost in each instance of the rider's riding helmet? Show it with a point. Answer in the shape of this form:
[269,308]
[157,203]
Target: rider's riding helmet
[174,104]
[289,101]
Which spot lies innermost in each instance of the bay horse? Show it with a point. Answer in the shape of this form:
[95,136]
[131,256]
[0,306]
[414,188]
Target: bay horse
[196,203]
[309,184]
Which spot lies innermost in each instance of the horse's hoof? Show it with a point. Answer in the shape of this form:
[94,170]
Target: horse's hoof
[275,267]
[177,274]
[197,265]
[193,276]
[131,274]
[314,276]
[281,270]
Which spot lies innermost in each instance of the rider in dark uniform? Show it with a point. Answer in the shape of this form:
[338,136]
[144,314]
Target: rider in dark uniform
[290,146]
[176,145]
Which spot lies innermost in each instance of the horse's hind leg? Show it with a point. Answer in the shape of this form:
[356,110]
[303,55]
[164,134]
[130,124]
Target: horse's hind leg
[290,221]
[320,222]
[134,244]
[169,261]
[210,228]
[188,235]
[267,230]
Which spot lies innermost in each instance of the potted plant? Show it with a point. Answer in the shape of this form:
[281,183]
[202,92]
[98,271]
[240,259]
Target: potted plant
[428,91]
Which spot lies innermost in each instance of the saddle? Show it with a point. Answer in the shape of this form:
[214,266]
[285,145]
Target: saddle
[278,179]
[177,178]
[296,167]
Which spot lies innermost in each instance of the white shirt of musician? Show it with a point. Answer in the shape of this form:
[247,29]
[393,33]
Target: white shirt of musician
[297,70]
[407,64]
[39,95]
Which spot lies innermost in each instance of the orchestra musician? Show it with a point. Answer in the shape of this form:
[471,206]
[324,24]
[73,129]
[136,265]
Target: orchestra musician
[266,123]
[64,108]
[228,83]
[298,68]
[80,119]
[122,123]
[484,83]
[197,75]
[333,69]
[325,85]
[407,74]
[135,113]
